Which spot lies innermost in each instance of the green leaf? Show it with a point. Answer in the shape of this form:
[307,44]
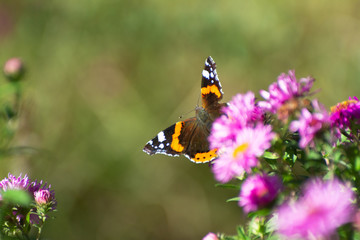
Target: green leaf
[241,233]
[227,185]
[337,156]
[357,163]
[15,196]
[271,155]
[261,212]
[312,155]
[234,199]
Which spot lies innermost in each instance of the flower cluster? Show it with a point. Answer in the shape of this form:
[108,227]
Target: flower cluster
[259,143]
[241,112]
[34,188]
[25,198]
[241,136]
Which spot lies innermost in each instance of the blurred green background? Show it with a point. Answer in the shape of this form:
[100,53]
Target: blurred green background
[104,76]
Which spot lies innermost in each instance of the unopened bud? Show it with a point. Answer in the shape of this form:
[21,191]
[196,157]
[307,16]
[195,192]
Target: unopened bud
[42,196]
[210,236]
[14,69]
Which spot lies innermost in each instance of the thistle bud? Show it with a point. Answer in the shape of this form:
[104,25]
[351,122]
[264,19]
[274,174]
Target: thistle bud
[14,69]
[42,196]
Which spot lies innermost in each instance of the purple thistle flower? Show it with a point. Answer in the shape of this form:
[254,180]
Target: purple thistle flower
[13,182]
[310,124]
[345,113]
[324,206]
[240,112]
[258,191]
[242,155]
[285,89]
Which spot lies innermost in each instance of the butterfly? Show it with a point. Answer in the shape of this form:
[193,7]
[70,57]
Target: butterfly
[190,137]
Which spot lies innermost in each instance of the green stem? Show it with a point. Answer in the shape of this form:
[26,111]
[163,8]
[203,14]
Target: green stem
[39,233]
[43,219]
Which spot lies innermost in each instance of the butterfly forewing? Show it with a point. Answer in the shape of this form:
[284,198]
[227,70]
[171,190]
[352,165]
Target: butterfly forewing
[211,90]
[172,141]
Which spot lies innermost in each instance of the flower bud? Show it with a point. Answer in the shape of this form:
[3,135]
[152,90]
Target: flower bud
[210,236]
[42,196]
[14,69]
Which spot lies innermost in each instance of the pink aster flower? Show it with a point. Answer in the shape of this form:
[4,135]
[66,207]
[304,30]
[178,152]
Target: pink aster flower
[285,89]
[242,155]
[324,206]
[346,113]
[210,236]
[240,112]
[310,124]
[258,191]
[13,182]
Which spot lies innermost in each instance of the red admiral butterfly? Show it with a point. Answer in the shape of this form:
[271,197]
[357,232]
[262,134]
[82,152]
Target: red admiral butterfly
[189,137]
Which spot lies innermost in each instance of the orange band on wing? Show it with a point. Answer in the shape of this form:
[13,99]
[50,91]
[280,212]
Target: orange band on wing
[205,157]
[175,144]
[211,89]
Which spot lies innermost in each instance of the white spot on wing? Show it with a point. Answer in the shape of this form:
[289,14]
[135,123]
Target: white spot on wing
[161,136]
[161,146]
[205,74]
[211,74]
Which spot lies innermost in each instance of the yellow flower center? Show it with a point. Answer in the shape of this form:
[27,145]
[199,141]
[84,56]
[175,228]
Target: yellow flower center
[342,105]
[240,149]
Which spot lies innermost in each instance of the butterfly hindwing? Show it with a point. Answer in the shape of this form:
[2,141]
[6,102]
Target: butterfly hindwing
[198,150]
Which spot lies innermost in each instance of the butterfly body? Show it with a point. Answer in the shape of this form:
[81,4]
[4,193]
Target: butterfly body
[189,137]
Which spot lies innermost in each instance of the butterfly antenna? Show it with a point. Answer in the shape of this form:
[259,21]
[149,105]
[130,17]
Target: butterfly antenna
[197,105]
[185,114]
